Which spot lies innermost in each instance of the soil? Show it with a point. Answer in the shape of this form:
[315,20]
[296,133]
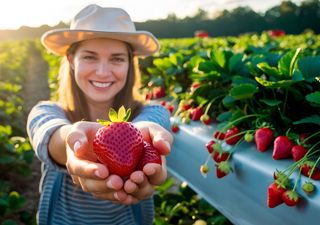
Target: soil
[35,89]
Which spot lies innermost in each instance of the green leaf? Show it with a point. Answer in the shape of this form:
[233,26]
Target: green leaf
[219,57]
[207,66]
[287,62]
[272,84]
[121,113]
[314,119]
[228,101]
[309,67]
[127,116]
[113,117]
[314,98]
[243,91]
[238,80]
[235,62]
[271,102]
[272,71]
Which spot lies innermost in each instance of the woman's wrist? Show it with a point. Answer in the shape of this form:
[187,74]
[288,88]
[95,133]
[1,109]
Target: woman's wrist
[57,144]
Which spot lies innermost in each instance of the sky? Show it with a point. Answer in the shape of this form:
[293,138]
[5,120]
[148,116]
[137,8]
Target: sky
[34,13]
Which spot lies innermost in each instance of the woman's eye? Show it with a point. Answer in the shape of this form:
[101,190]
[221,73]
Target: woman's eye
[118,59]
[89,57]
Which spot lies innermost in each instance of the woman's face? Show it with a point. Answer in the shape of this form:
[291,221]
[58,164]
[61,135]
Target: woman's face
[100,67]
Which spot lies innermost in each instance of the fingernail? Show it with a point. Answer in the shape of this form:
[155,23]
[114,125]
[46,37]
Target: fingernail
[115,195]
[109,184]
[76,146]
[167,144]
[98,174]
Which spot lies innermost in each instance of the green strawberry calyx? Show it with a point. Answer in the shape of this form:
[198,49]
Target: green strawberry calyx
[122,115]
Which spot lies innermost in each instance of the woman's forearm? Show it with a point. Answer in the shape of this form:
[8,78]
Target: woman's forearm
[57,145]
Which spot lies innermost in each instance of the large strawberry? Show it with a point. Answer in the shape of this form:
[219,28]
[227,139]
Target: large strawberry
[150,155]
[263,138]
[119,144]
[275,191]
[282,147]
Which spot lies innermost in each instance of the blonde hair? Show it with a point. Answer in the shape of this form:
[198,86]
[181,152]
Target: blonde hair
[73,101]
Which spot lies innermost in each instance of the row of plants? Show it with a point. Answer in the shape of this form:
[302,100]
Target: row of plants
[16,154]
[259,88]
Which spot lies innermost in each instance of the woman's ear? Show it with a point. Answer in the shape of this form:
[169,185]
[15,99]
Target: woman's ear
[70,60]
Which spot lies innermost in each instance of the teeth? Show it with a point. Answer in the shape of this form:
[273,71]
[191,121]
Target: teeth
[101,85]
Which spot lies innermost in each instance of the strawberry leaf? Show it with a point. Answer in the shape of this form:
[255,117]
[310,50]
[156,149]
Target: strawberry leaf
[113,115]
[315,119]
[243,91]
[121,113]
[103,122]
[127,115]
[314,98]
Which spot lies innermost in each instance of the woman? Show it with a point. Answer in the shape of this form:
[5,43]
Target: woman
[99,72]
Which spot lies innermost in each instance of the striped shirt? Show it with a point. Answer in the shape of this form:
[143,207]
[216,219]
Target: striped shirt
[61,202]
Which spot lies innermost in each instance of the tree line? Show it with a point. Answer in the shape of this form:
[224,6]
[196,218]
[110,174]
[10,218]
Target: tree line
[287,16]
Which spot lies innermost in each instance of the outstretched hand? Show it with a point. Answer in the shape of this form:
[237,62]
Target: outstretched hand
[94,177]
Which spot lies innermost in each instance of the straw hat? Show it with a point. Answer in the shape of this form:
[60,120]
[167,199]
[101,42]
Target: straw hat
[96,22]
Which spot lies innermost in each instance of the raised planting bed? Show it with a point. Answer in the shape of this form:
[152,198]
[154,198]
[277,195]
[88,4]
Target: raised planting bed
[241,195]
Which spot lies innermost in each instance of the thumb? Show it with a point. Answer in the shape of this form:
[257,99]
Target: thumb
[78,142]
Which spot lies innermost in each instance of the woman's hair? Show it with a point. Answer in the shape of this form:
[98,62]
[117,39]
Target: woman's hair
[73,100]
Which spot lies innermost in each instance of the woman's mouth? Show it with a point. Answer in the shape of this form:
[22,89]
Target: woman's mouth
[101,84]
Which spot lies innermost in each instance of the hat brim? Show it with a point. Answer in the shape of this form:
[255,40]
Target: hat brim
[58,41]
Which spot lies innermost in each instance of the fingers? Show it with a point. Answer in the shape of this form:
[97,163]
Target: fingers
[85,168]
[156,173]
[80,138]
[162,142]
[138,186]
[153,133]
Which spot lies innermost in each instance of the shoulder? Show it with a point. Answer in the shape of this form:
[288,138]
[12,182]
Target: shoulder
[155,108]
[47,106]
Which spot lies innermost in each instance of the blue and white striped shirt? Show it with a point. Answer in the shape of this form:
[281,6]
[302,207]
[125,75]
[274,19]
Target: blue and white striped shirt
[61,201]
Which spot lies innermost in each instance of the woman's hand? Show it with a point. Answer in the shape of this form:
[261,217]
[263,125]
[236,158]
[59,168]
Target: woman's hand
[82,164]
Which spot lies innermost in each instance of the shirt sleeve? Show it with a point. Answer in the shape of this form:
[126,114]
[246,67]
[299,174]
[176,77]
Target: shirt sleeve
[43,120]
[155,113]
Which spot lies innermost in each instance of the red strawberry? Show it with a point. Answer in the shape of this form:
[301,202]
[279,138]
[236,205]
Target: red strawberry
[150,155]
[148,96]
[220,156]
[275,192]
[170,108]
[175,128]
[205,119]
[306,168]
[210,146]
[222,169]
[290,197]
[297,152]
[194,86]
[282,148]
[184,105]
[119,144]
[231,137]
[219,135]
[196,113]
[263,138]
[159,92]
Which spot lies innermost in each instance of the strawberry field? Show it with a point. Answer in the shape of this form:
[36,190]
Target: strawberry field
[244,109]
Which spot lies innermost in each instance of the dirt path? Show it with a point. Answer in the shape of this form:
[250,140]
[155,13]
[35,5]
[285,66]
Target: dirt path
[35,88]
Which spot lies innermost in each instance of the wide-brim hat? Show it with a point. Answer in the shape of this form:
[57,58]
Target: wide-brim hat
[97,22]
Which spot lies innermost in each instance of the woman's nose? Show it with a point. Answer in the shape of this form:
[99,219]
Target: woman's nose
[103,69]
